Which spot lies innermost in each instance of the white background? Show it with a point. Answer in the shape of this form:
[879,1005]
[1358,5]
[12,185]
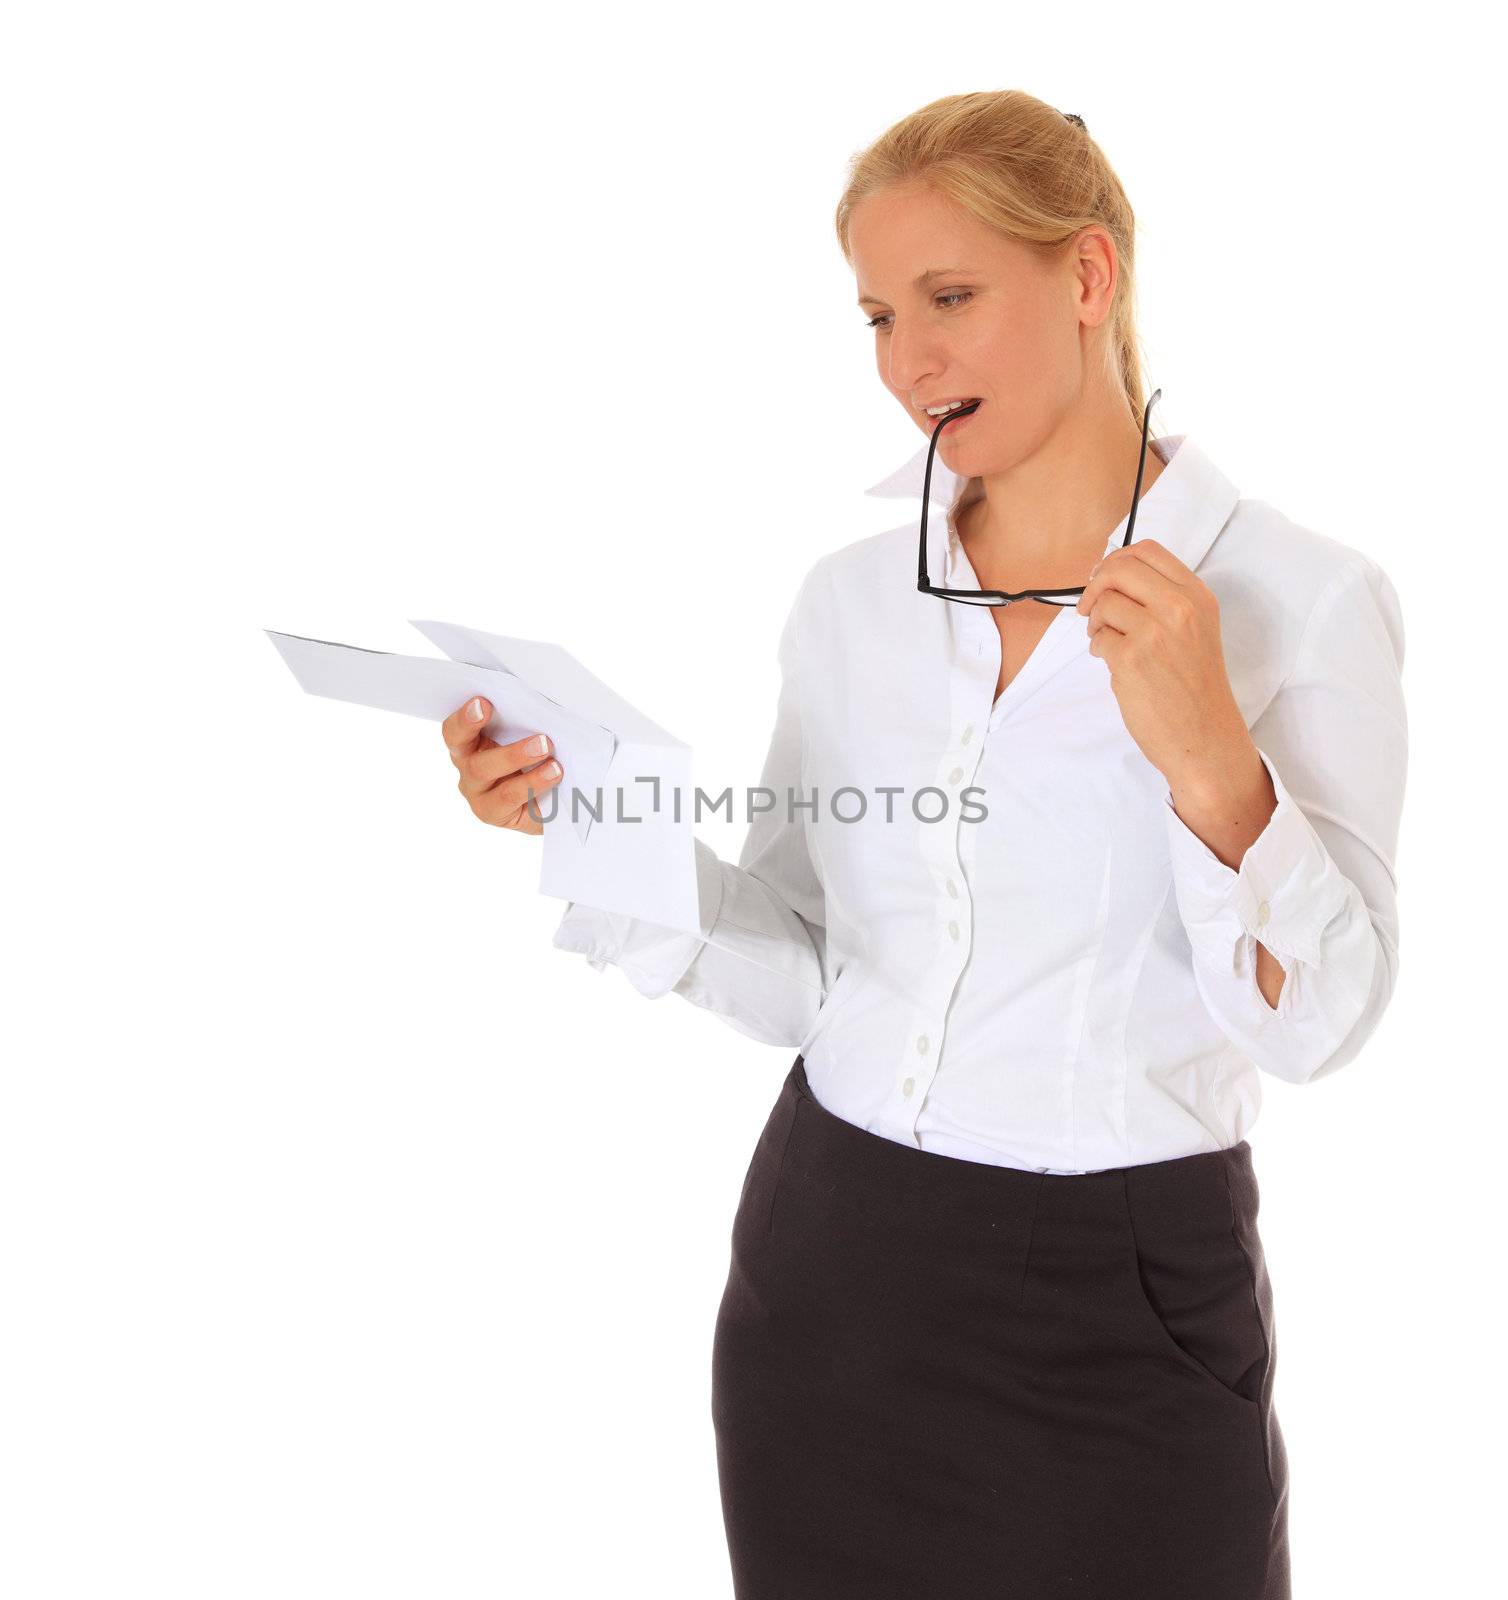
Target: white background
[352,1240]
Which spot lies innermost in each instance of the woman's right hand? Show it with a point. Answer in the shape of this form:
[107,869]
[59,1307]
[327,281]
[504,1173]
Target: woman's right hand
[497,779]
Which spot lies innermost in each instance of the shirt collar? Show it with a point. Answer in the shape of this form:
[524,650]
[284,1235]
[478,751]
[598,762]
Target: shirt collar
[1184,510]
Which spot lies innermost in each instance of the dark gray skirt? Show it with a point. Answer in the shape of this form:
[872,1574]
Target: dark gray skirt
[935,1379]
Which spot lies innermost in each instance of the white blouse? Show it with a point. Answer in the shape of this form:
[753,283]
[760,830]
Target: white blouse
[1070,983]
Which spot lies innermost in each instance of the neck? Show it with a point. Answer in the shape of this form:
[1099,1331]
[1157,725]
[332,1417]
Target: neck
[1045,516]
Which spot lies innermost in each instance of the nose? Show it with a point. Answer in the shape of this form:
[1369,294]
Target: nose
[914,360]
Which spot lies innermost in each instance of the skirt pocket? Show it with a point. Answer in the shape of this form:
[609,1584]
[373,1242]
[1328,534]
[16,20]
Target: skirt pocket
[756,1201]
[1194,1290]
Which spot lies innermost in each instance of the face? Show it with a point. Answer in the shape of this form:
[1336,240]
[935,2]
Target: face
[961,313]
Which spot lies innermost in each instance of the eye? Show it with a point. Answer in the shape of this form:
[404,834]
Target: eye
[959,294]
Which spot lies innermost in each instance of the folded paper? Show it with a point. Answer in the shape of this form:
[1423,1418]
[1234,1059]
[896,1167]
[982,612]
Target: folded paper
[617,827]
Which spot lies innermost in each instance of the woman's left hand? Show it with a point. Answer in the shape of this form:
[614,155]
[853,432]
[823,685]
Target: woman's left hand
[1157,627]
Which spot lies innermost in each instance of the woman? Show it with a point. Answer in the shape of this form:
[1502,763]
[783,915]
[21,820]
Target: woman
[997,1319]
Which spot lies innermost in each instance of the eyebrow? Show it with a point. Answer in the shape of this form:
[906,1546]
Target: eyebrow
[919,282]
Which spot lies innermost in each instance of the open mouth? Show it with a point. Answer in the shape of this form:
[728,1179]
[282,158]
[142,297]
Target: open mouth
[965,408]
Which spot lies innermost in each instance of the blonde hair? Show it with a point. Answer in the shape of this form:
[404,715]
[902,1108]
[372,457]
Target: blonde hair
[1023,168]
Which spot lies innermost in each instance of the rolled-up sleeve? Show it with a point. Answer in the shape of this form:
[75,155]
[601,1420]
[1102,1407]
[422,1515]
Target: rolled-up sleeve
[760,959]
[1318,886]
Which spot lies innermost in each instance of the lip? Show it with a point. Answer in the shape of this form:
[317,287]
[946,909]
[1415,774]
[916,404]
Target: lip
[954,420]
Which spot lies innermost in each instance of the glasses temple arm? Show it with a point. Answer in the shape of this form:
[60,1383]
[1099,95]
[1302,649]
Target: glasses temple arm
[1141,465]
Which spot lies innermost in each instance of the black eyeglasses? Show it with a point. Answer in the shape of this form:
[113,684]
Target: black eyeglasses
[996,597]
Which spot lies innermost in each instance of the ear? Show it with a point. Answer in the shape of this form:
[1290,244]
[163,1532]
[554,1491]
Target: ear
[1096,272]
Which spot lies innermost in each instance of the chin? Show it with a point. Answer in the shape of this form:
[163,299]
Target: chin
[951,451]
[977,459]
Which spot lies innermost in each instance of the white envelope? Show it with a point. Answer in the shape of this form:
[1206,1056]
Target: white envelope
[422,686]
[640,858]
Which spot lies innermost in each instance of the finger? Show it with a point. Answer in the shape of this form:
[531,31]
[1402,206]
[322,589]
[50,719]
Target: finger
[462,729]
[1104,638]
[484,768]
[1127,572]
[1160,559]
[1116,610]
[507,803]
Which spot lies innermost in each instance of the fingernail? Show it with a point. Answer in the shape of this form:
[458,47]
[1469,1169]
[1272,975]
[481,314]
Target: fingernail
[474,709]
[551,769]
[538,745]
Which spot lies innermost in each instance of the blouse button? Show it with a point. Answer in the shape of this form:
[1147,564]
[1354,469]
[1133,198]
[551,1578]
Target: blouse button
[955,775]
[952,888]
[922,1045]
[967,734]
[908,1086]
[953,930]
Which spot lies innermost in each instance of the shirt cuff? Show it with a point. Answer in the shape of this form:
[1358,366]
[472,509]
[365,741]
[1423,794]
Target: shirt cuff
[1285,892]
[652,957]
